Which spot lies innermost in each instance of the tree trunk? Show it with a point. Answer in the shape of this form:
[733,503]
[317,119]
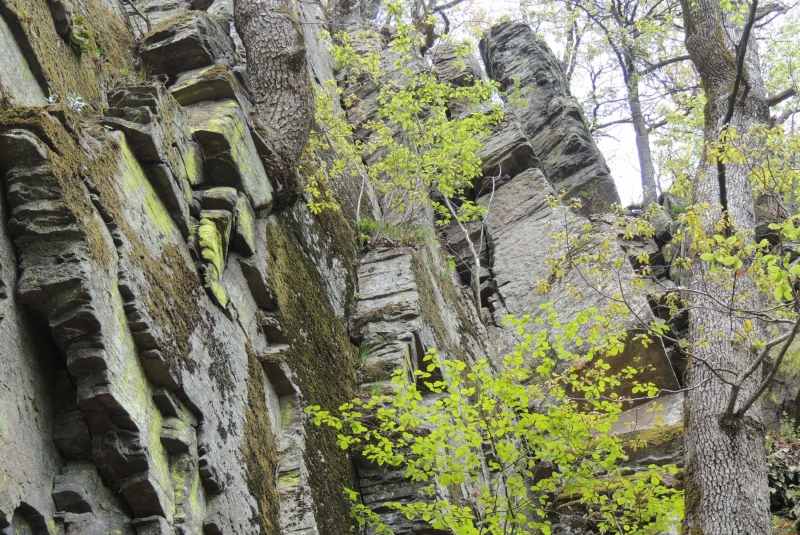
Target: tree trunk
[646,168]
[282,92]
[726,475]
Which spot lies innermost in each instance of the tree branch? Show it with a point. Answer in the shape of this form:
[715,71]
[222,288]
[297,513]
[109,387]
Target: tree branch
[611,123]
[780,119]
[741,49]
[769,9]
[780,96]
[664,62]
[765,383]
[448,5]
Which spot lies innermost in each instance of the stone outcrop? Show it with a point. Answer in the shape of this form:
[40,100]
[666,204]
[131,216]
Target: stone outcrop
[168,308]
[551,118]
[541,148]
[160,354]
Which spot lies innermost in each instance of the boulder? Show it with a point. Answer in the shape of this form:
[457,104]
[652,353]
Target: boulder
[188,41]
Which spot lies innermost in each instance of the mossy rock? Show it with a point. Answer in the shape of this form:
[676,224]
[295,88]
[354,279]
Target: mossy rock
[321,357]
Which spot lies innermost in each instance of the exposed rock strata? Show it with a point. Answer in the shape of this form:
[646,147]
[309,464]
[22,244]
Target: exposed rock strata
[170,409]
[164,324]
[552,119]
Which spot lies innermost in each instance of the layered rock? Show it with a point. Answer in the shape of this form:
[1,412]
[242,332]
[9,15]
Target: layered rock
[551,118]
[164,378]
[168,308]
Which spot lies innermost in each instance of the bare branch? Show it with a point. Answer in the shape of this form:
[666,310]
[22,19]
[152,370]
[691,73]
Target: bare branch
[765,383]
[769,9]
[448,5]
[782,117]
[741,49]
[136,10]
[611,123]
[777,98]
[664,62]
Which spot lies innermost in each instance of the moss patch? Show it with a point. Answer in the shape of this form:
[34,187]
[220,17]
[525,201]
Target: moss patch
[323,360]
[653,437]
[69,164]
[211,250]
[61,66]
[259,449]
[172,306]
[335,226]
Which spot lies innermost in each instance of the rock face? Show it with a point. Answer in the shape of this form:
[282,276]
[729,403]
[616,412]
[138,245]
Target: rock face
[552,119]
[163,329]
[167,310]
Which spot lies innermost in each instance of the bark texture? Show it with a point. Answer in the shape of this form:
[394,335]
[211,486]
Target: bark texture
[726,476]
[646,168]
[283,96]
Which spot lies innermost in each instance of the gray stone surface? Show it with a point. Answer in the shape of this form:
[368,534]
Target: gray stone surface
[158,131]
[505,153]
[115,317]
[155,12]
[552,119]
[229,154]
[153,376]
[207,83]
[129,397]
[187,41]
[408,303]
[519,225]
[17,84]
[462,71]
[29,459]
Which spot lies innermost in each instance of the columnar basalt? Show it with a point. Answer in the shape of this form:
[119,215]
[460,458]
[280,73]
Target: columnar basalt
[169,305]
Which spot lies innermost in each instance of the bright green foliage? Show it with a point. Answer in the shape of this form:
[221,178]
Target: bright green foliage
[416,149]
[773,156]
[319,169]
[524,442]
[726,254]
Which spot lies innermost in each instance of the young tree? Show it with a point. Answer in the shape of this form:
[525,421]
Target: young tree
[421,156]
[529,444]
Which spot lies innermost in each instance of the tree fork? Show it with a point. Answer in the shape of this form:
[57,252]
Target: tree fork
[726,479]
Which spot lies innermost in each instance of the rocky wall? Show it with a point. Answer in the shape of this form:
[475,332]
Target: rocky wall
[168,308]
[164,326]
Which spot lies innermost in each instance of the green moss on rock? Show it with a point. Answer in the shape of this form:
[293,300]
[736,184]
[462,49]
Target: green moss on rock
[65,69]
[323,360]
[653,437]
[69,165]
[259,450]
[211,245]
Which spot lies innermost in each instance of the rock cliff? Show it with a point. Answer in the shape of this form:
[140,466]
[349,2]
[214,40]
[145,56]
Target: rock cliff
[168,306]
